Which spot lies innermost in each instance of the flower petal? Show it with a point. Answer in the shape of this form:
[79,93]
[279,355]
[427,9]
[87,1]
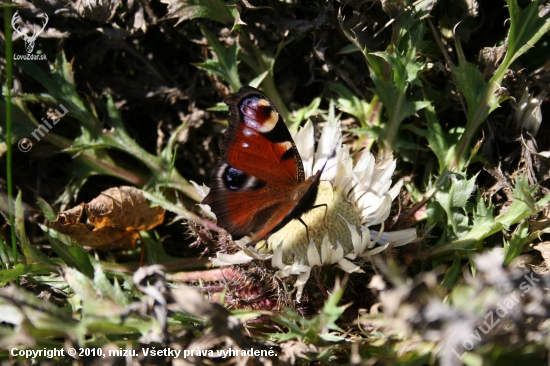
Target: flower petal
[378,212]
[344,169]
[394,191]
[398,238]
[243,241]
[349,267]
[382,175]
[207,211]
[376,235]
[330,138]
[313,257]
[337,254]
[253,252]
[358,246]
[326,248]
[300,283]
[202,191]
[365,238]
[374,251]
[294,269]
[230,259]
[305,143]
[365,165]
[277,259]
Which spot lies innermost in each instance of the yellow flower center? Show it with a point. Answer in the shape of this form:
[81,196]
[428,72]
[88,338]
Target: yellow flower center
[294,237]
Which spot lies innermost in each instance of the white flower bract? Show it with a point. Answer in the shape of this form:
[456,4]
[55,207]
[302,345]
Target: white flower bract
[350,199]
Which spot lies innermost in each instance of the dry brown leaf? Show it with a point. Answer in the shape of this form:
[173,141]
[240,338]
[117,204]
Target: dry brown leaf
[544,249]
[115,218]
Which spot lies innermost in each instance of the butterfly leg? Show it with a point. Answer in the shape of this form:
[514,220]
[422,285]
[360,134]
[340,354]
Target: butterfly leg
[326,211]
[307,229]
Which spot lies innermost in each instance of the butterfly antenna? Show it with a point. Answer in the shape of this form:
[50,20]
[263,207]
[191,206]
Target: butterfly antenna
[351,156]
[330,156]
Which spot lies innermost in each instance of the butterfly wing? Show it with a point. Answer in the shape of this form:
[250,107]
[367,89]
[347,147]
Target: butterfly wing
[258,142]
[259,183]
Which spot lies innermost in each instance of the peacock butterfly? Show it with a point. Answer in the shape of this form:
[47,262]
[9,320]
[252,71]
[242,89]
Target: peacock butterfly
[259,185]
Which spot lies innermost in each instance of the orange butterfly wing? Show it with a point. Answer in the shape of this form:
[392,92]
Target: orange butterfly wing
[259,185]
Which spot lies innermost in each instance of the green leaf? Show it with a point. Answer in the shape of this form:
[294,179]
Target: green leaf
[261,61]
[393,94]
[316,329]
[462,191]
[94,160]
[519,238]
[524,204]
[347,102]
[215,10]
[107,289]
[471,84]
[60,84]
[159,199]
[483,218]
[31,253]
[350,48]
[98,299]
[73,255]
[35,317]
[225,66]
[453,273]
[453,198]
[155,250]
[526,28]
[62,89]
[255,83]
[437,139]
[331,311]
[48,211]
[219,107]
[168,152]
[484,225]
[304,113]
[22,269]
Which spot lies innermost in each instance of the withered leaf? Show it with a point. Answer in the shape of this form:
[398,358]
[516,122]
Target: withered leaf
[115,218]
[544,249]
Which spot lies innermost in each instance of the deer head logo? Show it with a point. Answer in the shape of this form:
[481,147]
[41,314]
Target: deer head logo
[29,40]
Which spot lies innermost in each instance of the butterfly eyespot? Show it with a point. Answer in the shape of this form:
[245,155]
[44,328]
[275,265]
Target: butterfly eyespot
[289,154]
[233,178]
[259,114]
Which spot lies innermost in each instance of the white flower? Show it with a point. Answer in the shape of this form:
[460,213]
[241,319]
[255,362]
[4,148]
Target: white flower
[356,197]
[528,116]
[528,113]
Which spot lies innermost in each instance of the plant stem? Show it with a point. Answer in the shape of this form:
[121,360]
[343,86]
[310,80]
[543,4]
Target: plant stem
[9,84]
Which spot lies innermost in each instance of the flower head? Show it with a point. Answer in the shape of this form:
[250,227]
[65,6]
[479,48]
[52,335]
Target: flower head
[350,199]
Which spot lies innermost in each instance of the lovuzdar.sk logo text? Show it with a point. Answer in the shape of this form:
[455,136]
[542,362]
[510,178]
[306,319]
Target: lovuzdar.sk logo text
[28,39]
